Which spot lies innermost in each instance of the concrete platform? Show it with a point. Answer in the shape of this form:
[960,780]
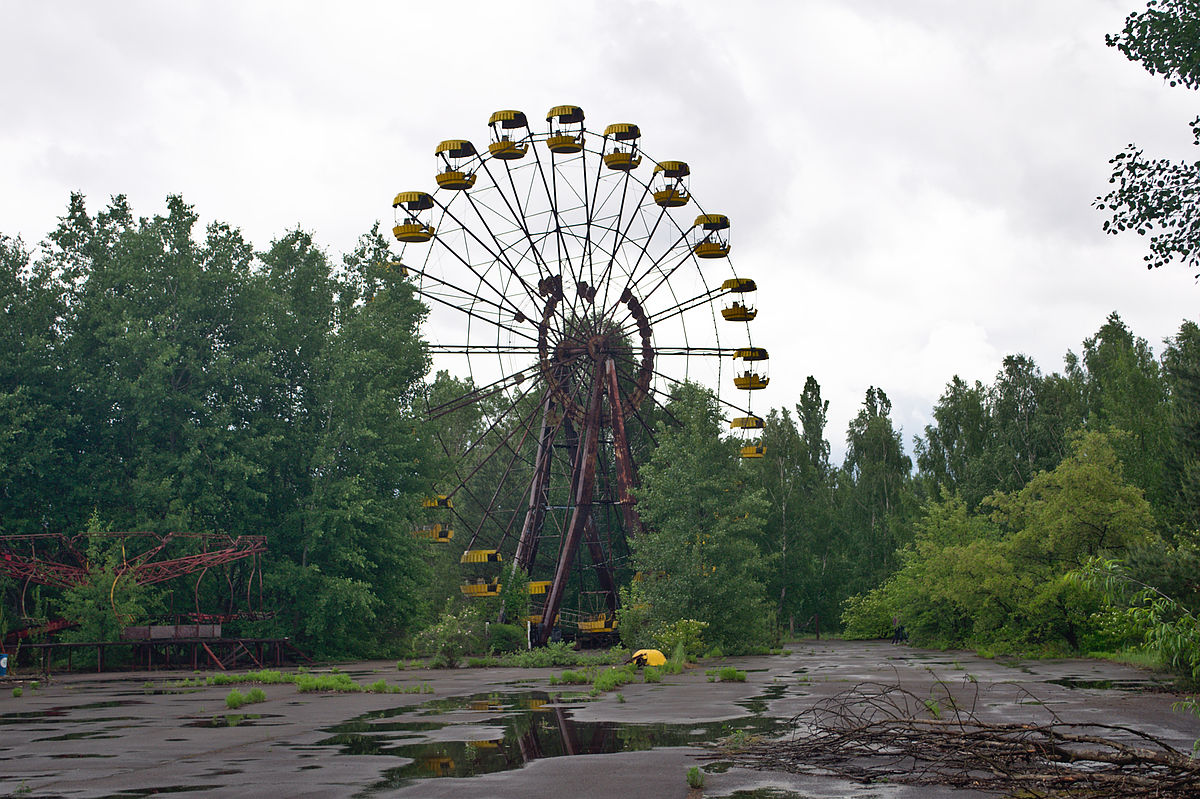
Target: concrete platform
[122,735]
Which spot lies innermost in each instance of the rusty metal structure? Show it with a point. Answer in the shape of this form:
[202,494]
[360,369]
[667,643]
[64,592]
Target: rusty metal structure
[571,288]
[62,561]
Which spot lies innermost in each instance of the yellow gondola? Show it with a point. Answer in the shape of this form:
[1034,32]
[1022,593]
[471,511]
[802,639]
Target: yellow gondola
[480,556]
[602,623]
[504,146]
[753,451]
[738,313]
[751,354]
[477,589]
[566,129]
[623,156]
[437,501]
[712,244]
[751,381]
[539,587]
[739,285]
[434,532]
[751,422]
[453,155]
[668,183]
[412,230]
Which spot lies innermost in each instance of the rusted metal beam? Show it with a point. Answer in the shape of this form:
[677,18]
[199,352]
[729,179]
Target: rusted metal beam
[535,515]
[626,476]
[585,467]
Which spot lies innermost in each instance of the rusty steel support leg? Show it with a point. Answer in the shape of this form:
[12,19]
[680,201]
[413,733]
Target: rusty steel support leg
[604,572]
[585,468]
[531,531]
[626,476]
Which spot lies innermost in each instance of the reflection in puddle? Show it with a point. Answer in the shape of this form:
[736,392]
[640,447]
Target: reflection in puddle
[1110,685]
[166,789]
[487,733]
[232,720]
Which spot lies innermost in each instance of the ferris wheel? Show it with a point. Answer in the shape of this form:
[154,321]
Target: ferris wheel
[572,284]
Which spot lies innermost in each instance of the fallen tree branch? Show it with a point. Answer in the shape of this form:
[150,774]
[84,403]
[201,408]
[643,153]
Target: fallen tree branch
[876,733]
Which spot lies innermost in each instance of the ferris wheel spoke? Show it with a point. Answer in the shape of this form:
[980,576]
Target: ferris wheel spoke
[624,235]
[465,480]
[518,215]
[446,210]
[551,187]
[501,249]
[683,256]
[633,279]
[699,301]
[502,482]
[470,312]
[478,394]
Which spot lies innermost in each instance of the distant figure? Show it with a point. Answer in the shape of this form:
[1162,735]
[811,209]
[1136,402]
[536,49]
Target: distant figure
[897,630]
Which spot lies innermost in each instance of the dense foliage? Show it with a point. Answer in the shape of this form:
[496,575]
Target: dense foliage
[161,379]
[1156,196]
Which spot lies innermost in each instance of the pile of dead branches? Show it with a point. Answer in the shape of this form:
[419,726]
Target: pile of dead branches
[883,733]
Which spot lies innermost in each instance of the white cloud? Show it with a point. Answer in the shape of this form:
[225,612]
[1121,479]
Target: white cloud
[910,183]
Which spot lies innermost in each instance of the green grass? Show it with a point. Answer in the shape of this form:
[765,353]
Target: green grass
[235,698]
[573,677]
[17,692]
[695,778]
[726,674]
[307,682]
[1141,658]
[614,678]
[652,674]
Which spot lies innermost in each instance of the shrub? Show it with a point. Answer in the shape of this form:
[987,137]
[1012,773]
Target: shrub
[255,695]
[687,633]
[507,638]
[234,699]
[651,674]
[452,636]
[17,692]
[695,778]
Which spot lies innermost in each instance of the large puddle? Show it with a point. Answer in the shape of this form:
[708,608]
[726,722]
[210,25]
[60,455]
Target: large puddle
[486,733]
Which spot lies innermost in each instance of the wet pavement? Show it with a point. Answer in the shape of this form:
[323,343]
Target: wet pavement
[509,732]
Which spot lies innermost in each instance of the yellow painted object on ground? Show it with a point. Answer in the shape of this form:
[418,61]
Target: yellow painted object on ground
[648,657]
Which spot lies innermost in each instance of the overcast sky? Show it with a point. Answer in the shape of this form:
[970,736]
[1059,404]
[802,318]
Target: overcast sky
[910,183]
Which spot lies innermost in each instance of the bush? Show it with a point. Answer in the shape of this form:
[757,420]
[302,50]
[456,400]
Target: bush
[507,638]
[695,778]
[17,693]
[651,674]
[452,636]
[234,699]
[687,633]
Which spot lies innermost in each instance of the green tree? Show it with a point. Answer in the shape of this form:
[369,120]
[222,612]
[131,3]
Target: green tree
[697,557]
[875,488]
[1156,196]
[1001,578]
[1124,389]
[36,423]
[1181,362]
[951,455]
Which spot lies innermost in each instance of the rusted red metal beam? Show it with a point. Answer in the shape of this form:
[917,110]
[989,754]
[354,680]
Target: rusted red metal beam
[535,515]
[626,476]
[585,467]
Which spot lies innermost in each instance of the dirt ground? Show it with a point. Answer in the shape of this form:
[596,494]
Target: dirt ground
[509,732]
